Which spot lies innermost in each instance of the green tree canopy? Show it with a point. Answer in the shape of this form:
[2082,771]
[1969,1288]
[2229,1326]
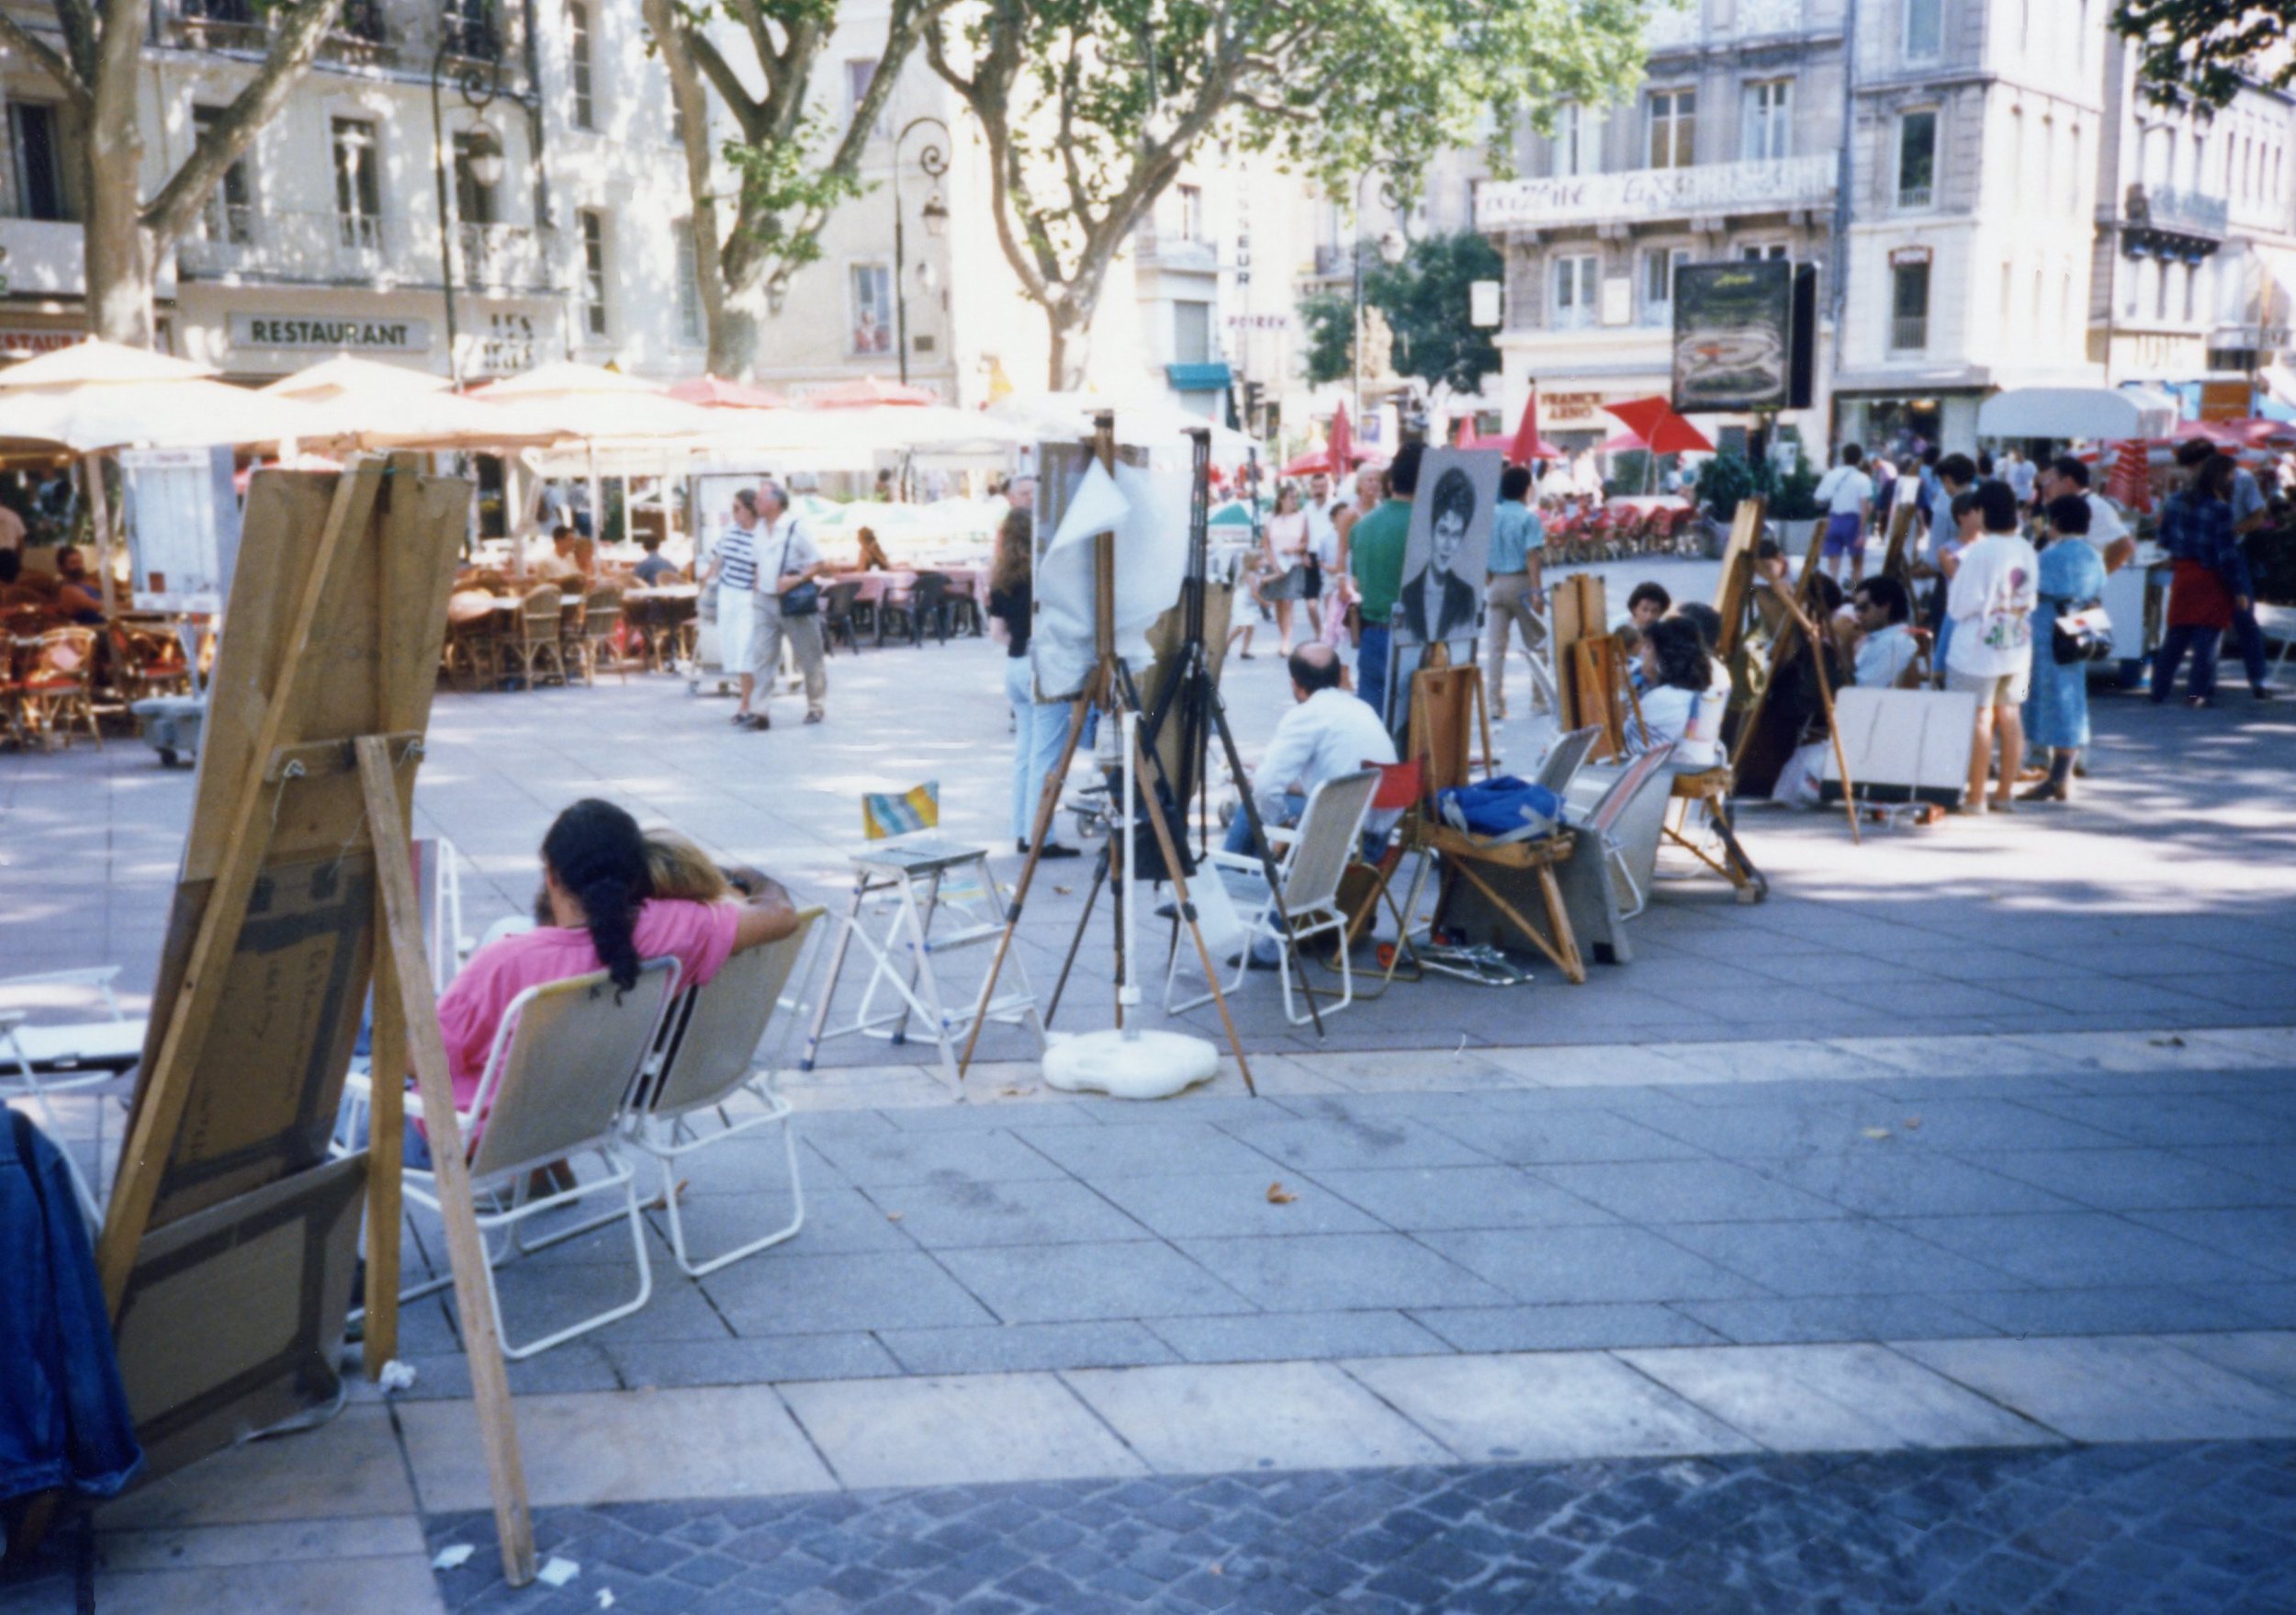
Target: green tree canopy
[2199,53]
[1092,107]
[1426,300]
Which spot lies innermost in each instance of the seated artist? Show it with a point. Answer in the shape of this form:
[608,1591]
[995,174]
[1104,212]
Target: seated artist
[653,567]
[79,596]
[1686,692]
[1884,654]
[1326,734]
[599,908]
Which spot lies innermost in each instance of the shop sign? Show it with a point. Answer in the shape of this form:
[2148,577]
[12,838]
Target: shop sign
[370,335]
[38,342]
[1733,334]
[1908,257]
[2226,401]
[1259,321]
[1554,408]
[507,346]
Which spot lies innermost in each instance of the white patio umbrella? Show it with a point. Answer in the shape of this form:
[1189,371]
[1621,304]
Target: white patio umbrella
[592,402]
[366,404]
[97,395]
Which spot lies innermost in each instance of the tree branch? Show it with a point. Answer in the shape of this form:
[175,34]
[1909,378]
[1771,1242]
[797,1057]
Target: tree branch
[51,62]
[720,73]
[295,42]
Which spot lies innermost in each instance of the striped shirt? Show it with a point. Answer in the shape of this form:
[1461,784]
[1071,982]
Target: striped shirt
[738,559]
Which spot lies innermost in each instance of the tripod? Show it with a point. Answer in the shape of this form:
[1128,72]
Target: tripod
[1111,686]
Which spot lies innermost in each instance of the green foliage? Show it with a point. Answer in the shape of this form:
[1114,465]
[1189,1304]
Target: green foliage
[1794,496]
[1628,473]
[788,180]
[1330,323]
[1425,298]
[2199,53]
[1722,483]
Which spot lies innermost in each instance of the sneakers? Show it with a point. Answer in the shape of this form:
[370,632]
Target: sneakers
[816,716]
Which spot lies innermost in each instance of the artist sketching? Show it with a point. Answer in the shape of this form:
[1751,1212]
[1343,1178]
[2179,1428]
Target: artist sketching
[1454,596]
[1323,734]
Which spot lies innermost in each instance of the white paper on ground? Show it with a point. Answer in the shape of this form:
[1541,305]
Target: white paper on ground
[557,1572]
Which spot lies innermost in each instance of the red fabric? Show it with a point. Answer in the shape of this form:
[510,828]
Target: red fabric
[2198,598]
[1655,426]
[711,393]
[869,390]
[2131,481]
[1344,457]
[1527,445]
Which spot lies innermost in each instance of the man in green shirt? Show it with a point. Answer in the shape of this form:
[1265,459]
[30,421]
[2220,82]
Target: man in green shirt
[1375,558]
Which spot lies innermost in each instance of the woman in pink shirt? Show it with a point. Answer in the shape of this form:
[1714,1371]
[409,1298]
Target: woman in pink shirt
[598,913]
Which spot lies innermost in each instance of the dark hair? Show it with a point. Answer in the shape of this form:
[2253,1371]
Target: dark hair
[11,566]
[648,542]
[1643,592]
[1889,594]
[1964,503]
[747,499]
[1705,619]
[1766,549]
[2071,469]
[1403,473]
[1313,671]
[1958,467]
[1828,592]
[1514,482]
[1985,462]
[1929,454]
[563,531]
[1016,552]
[2216,476]
[2068,513]
[1851,454]
[1680,653]
[598,854]
[1997,500]
[2193,451]
[1454,496]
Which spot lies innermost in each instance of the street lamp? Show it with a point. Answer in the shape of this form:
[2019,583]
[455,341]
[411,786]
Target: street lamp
[479,82]
[934,163]
[1391,248]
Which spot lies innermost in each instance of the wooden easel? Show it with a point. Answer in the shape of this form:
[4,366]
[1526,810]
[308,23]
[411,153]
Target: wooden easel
[1800,616]
[1734,596]
[1606,693]
[1578,614]
[318,704]
[1896,562]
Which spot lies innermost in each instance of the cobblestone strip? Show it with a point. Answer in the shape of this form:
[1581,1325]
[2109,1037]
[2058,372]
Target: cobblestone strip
[2135,1530]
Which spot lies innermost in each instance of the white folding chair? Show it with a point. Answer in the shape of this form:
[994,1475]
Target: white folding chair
[562,1066]
[1567,756]
[705,1058]
[1308,876]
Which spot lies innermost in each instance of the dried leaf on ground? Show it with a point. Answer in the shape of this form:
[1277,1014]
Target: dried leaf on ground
[1279,1196]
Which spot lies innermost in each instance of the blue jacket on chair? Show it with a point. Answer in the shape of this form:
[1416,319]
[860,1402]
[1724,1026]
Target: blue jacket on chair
[63,1413]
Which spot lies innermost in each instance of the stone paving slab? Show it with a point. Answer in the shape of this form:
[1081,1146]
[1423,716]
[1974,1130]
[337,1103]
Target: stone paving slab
[2134,1531]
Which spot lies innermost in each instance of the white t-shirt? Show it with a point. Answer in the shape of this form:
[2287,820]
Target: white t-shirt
[1843,489]
[2021,475]
[2105,527]
[1691,718]
[1322,539]
[1330,734]
[785,546]
[1883,657]
[1991,603]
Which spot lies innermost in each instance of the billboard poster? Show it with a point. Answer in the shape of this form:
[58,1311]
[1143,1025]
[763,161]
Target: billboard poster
[1733,337]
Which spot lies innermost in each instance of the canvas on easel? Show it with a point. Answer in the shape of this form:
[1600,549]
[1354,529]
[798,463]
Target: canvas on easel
[226,1251]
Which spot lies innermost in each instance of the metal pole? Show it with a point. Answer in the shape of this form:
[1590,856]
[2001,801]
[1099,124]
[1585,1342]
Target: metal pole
[445,209]
[934,163]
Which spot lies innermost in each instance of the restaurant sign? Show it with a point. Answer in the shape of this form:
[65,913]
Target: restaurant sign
[370,335]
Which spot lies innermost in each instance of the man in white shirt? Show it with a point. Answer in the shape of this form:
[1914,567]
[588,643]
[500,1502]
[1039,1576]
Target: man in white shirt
[1327,733]
[1847,493]
[786,558]
[2020,473]
[1886,650]
[2109,534]
[1991,604]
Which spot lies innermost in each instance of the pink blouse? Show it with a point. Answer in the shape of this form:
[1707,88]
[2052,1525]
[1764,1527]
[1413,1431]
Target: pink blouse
[699,935]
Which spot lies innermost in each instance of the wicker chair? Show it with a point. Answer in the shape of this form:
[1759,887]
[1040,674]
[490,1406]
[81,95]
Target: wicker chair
[56,686]
[533,634]
[146,661]
[590,635]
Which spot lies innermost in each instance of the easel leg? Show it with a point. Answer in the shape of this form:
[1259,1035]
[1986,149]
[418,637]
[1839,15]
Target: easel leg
[1076,937]
[1047,803]
[386,1141]
[836,967]
[1179,894]
[482,1345]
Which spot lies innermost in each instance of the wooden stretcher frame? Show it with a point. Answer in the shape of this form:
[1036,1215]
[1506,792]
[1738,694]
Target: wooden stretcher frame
[312,744]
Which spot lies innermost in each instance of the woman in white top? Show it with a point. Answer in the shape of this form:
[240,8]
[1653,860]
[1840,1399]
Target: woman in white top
[1687,696]
[1285,576]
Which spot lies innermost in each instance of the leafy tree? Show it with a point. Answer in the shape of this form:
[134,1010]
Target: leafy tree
[792,167]
[96,67]
[1091,109]
[1425,299]
[2199,53]
[1331,324]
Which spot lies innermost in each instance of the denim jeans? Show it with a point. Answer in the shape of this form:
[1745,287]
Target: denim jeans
[1040,728]
[1371,667]
[1239,827]
[2251,638]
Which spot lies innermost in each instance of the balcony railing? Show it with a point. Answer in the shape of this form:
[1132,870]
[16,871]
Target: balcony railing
[2184,209]
[1643,194]
[315,248]
[230,223]
[1908,333]
[505,255]
[1173,250]
[1913,197]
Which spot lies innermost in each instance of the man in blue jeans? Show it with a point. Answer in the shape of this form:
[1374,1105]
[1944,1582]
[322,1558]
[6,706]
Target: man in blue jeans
[1375,558]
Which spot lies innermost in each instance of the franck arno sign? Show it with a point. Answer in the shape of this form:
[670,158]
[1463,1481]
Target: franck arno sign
[353,335]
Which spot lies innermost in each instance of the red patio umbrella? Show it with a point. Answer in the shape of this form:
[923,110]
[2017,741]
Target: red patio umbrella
[715,392]
[1320,459]
[2257,432]
[1343,456]
[2131,480]
[1527,445]
[1652,423]
[870,391]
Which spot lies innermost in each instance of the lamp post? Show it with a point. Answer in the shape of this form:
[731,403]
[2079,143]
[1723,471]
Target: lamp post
[934,161]
[479,82]
[1391,249]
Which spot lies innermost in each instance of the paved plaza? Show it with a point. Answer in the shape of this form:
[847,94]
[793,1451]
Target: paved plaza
[1925,1236]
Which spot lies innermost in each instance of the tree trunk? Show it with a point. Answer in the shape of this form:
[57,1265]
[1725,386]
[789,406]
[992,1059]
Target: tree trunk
[1072,341]
[735,333]
[118,258]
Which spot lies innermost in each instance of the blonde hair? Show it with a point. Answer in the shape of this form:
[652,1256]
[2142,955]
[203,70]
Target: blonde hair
[677,867]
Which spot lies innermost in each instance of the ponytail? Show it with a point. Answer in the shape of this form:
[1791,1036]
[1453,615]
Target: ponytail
[597,852]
